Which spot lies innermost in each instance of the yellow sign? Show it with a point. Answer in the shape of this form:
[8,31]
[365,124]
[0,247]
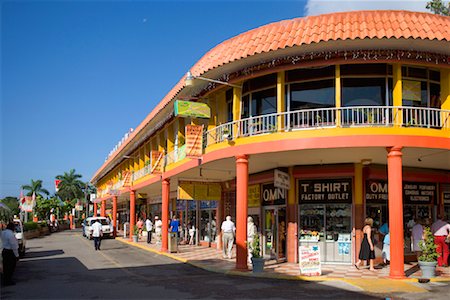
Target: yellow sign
[199,191]
[254,194]
[192,109]
[412,90]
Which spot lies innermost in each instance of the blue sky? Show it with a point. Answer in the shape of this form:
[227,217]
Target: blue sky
[76,75]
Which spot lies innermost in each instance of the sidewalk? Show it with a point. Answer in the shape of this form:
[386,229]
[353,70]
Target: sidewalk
[211,259]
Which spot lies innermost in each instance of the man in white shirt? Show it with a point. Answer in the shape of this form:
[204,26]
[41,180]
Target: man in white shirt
[158,229]
[10,253]
[228,231]
[97,234]
[149,227]
[441,230]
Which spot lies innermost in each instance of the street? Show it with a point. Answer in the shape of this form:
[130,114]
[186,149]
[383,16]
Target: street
[65,265]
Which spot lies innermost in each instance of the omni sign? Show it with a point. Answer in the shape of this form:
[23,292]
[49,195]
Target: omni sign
[272,195]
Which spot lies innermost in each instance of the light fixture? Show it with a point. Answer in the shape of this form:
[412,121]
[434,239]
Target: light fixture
[189,81]
[366,161]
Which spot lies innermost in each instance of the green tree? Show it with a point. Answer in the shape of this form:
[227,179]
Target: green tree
[70,189]
[12,203]
[44,206]
[36,188]
[439,7]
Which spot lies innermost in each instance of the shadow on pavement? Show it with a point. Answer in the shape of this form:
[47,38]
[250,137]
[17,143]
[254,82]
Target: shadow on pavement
[35,254]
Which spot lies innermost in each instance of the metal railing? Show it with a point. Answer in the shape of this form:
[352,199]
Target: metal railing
[357,116]
[141,173]
[175,155]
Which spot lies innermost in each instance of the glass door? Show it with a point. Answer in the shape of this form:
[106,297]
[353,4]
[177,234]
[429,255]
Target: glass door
[270,231]
[282,233]
[274,233]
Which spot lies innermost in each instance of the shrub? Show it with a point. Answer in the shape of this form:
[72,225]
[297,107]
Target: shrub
[428,247]
[256,247]
[30,226]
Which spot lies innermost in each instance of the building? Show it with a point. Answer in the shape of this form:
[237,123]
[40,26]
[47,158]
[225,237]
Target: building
[309,125]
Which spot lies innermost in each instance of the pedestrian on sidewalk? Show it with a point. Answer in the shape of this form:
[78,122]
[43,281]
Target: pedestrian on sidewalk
[149,227]
[174,226]
[97,234]
[417,237]
[228,231]
[251,231]
[441,230]
[191,234]
[386,252]
[140,226]
[10,253]
[367,251]
[158,229]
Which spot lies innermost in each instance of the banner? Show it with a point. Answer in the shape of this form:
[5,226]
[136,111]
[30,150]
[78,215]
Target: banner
[57,182]
[156,159]
[27,204]
[126,179]
[194,141]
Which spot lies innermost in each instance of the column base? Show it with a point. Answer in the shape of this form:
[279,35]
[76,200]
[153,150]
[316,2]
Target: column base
[242,267]
[397,276]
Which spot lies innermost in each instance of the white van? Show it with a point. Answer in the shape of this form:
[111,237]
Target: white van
[18,229]
[105,226]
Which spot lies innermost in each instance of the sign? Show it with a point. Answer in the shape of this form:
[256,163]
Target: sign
[127,178]
[282,180]
[254,195]
[92,197]
[57,182]
[376,191]
[309,257]
[325,191]
[156,159]
[27,204]
[414,192]
[411,90]
[194,141]
[446,197]
[199,191]
[192,109]
[272,195]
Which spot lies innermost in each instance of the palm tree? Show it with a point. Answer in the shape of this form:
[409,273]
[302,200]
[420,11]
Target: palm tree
[36,188]
[70,187]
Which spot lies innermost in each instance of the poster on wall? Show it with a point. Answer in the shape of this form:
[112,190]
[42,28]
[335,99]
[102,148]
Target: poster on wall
[254,194]
[309,260]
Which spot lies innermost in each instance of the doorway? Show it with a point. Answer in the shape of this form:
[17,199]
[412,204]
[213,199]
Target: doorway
[274,232]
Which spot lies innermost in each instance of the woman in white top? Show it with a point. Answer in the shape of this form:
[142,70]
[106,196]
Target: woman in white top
[251,231]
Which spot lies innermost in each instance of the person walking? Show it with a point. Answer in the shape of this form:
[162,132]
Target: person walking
[149,227]
[191,234]
[97,234]
[173,227]
[228,231]
[367,251]
[10,253]
[441,230]
[251,231]
[386,252]
[417,237]
[140,226]
[158,229]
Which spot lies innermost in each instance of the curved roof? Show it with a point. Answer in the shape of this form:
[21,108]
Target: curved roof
[377,24]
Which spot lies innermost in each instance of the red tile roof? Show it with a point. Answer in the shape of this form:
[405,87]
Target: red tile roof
[308,30]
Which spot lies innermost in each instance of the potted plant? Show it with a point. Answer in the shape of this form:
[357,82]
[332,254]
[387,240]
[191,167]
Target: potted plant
[428,259]
[225,134]
[135,234]
[257,259]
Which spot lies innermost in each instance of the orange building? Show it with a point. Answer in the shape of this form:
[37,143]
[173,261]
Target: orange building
[309,125]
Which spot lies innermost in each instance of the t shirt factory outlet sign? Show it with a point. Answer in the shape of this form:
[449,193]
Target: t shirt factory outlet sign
[325,191]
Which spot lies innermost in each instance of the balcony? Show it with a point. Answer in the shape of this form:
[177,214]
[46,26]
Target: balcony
[344,117]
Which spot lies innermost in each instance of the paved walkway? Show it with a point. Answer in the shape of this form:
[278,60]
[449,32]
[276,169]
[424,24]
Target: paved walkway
[211,259]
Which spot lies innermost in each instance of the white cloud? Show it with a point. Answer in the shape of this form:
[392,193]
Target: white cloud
[317,7]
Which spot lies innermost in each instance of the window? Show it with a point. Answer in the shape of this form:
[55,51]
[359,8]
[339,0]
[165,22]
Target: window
[314,94]
[229,100]
[421,87]
[363,92]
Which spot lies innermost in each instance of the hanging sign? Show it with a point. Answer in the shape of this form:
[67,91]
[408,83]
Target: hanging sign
[27,204]
[191,109]
[127,179]
[411,90]
[281,180]
[194,141]
[272,195]
[309,260]
[156,159]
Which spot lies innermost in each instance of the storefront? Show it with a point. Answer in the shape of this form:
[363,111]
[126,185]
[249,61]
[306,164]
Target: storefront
[274,221]
[446,201]
[325,210]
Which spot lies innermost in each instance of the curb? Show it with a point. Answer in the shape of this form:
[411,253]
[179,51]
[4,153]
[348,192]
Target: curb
[381,285]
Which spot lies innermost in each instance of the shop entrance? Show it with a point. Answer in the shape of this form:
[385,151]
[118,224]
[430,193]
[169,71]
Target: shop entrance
[274,232]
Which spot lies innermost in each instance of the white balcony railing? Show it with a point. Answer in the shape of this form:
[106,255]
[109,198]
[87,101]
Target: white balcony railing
[358,116]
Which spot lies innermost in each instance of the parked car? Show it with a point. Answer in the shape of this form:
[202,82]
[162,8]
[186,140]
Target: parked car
[105,227]
[18,228]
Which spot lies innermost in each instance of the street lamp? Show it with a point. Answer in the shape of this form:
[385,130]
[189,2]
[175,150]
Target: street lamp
[189,81]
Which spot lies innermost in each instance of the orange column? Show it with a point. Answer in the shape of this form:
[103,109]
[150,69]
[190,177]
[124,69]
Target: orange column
[132,212]
[95,209]
[241,211]
[103,209]
[114,216]
[395,203]
[165,214]
[70,221]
